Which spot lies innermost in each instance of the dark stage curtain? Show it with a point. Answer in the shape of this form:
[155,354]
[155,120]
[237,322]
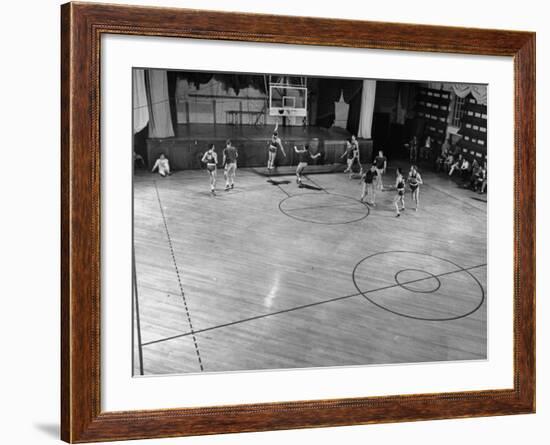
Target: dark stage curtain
[352,90]
[329,93]
[172,82]
[237,82]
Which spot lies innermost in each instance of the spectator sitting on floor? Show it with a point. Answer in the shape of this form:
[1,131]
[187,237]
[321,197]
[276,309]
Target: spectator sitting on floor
[162,165]
[456,164]
[465,169]
[476,168]
[449,161]
[482,179]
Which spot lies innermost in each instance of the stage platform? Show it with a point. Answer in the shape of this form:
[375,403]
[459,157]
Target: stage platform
[286,170]
[185,150]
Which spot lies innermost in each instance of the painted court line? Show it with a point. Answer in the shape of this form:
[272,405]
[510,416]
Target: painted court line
[305,306]
[179,281]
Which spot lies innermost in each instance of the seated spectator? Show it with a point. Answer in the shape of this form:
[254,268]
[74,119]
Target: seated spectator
[449,161]
[163,166]
[476,168]
[465,169]
[456,164]
[482,179]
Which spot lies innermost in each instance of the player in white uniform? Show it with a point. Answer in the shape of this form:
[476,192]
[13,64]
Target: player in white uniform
[275,145]
[230,156]
[210,158]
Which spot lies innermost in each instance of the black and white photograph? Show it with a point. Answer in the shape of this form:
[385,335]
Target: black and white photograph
[283,221]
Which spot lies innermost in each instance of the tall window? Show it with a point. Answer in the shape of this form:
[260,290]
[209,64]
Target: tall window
[458,111]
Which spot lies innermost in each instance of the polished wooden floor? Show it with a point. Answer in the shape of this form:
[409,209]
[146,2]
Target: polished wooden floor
[269,275]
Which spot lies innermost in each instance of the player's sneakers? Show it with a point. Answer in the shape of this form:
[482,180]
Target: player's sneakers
[232,185]
[226,188]
[398,215]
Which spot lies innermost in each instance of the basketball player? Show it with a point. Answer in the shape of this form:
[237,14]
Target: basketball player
[303,158]
[415,180]
[210,158]
[274,145]
[163,166]
[355,145]
[368,186]
[352,154]
[400,187]
[381,163]
[230,156]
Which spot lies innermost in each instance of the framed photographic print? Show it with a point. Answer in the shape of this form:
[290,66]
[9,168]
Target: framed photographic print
[275,222]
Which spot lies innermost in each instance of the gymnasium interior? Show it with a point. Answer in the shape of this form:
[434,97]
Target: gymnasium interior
[269,275]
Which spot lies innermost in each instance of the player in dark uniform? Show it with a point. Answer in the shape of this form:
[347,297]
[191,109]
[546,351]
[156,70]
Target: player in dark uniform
[415,180]
[210,158]
[275,145]
[230,156]
[368,186]
[303,158]
[400,187]
[381,163]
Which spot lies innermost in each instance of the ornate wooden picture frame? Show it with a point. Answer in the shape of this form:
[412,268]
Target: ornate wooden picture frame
[82,25]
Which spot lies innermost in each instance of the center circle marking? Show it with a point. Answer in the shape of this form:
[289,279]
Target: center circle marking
[427,276]
[301,207]
[423,277]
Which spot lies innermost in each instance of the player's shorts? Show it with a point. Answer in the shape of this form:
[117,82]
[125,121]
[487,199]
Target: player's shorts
[230,166]
[413,187]
[302,165]
[401,192]
[272,149]
[211,167]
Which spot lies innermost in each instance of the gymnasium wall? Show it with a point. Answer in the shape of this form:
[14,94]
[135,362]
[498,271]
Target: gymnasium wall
[212,103]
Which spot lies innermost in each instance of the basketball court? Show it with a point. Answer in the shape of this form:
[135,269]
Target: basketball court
[272,276]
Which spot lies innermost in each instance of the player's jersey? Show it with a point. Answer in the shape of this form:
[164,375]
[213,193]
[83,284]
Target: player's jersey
[401,186]
[303,156]
[274,145]
[353,152]
[380,161]
[369,176]
[210,159]
[230,155]
[413,180]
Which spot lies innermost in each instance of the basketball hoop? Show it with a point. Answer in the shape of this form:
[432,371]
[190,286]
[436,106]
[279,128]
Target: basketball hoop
[288,99]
